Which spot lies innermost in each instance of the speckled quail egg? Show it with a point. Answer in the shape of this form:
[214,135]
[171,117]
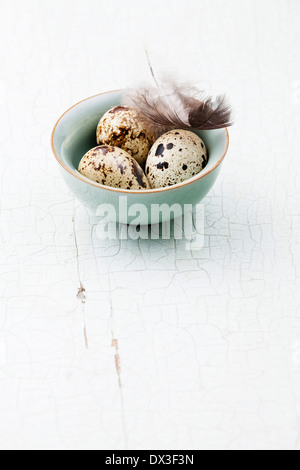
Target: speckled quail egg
[122,127]
[175,157]
[112,166]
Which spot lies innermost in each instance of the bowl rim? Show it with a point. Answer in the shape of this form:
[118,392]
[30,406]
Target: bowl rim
[127,191]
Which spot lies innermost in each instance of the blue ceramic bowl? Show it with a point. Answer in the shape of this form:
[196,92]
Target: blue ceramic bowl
[75,133]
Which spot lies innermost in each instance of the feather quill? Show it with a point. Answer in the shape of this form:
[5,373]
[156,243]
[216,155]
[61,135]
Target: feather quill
[171,106]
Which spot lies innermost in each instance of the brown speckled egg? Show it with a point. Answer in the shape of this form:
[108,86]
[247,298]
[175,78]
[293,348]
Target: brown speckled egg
[122,127]
[112,166]
[175,157]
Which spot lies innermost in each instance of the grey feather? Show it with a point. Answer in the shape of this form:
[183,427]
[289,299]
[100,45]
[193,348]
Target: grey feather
[171,106]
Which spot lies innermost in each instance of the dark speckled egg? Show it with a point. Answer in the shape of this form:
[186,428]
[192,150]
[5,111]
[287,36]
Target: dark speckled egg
[112,166]
[122,127]
[175,157]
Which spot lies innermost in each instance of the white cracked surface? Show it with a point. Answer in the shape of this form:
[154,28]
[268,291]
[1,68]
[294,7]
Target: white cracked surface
[165,348]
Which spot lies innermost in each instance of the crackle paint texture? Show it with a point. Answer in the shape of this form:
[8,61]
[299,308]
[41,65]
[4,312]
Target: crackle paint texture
[144,344]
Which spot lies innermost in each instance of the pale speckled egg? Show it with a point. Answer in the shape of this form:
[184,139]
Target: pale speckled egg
[122,127]
[175,157]
[112,166]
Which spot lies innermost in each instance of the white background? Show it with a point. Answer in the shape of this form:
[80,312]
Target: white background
[172,349]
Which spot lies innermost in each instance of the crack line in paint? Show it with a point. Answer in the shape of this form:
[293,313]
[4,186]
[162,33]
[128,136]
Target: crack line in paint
[81,293]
